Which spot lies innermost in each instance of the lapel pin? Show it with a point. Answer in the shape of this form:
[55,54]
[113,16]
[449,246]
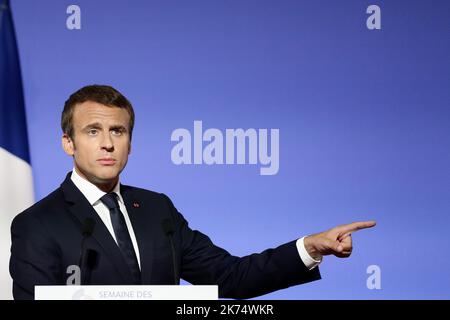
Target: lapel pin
[136,205]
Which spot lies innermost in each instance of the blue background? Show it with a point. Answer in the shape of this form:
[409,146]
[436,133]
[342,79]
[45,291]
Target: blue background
[363,115]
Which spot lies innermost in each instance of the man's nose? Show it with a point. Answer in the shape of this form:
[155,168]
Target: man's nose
[107,142]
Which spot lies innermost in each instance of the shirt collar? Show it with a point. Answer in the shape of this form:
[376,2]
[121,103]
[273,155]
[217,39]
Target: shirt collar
[91,191]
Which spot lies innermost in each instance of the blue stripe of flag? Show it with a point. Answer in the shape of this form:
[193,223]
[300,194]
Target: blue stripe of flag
[13,128]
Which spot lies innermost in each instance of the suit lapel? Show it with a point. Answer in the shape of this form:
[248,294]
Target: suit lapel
[139,219]
[81,209]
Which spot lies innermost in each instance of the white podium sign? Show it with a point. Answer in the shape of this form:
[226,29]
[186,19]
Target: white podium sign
[182,292]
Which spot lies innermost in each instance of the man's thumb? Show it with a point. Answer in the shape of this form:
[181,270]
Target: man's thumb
[335,246]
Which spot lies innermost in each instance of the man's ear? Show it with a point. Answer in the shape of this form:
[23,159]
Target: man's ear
[67,144]
[129,147]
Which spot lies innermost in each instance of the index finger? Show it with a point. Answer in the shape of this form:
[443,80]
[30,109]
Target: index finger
[355,226]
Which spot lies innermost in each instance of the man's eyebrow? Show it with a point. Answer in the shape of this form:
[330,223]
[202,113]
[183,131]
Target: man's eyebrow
[95,125]
[118,127]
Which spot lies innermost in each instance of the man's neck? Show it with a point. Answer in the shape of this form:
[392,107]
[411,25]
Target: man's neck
[105,187]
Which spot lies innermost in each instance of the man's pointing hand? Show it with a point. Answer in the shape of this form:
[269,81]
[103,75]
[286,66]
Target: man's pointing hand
[336,241]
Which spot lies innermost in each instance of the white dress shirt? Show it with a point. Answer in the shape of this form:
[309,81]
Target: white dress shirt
[308,261]
[93,195]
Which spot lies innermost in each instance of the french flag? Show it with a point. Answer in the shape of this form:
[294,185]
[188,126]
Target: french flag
[16,183]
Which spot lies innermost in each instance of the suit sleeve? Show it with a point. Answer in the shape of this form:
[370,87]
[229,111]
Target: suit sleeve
[35,257]
[202,262]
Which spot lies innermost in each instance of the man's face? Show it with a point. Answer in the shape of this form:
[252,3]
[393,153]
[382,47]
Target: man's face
[101,142]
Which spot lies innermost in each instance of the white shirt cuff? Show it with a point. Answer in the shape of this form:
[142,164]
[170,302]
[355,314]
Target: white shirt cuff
[308,261]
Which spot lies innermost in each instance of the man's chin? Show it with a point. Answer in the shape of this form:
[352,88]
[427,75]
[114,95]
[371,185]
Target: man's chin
[106,177]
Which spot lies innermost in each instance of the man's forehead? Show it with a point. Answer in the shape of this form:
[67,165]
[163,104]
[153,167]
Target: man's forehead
[89,111]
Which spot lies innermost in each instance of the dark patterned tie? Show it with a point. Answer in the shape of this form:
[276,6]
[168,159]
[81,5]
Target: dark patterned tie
[122,234]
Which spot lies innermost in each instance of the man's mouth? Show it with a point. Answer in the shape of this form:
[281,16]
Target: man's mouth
[107,161]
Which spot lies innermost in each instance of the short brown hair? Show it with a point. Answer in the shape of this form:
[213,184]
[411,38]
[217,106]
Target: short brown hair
[102,94]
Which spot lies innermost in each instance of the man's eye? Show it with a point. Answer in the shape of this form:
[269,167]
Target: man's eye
[116,132]
[92,132]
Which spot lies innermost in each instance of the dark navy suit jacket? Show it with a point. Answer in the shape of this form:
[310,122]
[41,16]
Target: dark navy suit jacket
[46,240]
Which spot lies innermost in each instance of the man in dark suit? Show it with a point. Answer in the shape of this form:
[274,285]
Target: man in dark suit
[126,234]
